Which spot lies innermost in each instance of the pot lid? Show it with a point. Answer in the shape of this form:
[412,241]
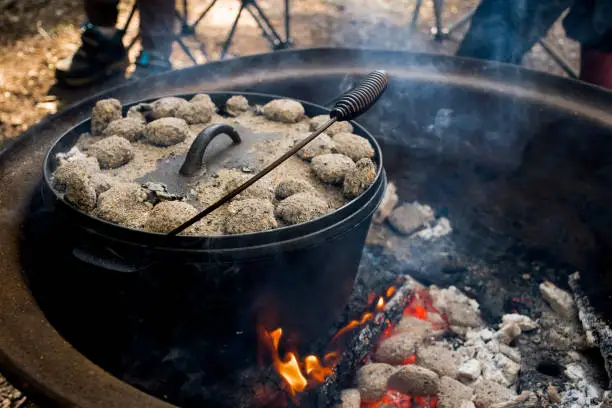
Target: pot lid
[225,145]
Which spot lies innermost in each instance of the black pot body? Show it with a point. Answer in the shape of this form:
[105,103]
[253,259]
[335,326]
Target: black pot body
[211,293]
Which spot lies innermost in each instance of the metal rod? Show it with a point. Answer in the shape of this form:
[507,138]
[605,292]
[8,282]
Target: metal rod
[225,199]
[185,11]
[558,58]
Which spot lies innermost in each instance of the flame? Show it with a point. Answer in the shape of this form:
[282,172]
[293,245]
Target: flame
[315,370]
[288,369]
[299,374]
[352,324]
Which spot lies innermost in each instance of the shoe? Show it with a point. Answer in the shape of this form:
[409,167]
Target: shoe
[151,63]
[99,57]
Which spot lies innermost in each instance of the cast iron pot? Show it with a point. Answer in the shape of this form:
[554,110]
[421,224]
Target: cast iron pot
[220,288]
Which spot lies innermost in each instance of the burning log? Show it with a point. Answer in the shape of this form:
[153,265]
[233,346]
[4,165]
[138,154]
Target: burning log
[360,345]
[598,333]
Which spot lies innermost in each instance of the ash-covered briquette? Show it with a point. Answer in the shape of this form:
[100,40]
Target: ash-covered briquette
[124,204]
[128,128]
[69,170]
[250,215]
[204,100]
[236,105]
[166,107]
[339,127]
[104,112]
[284,110]
[166,131]
[195,113]
[81,192]
[301,207]
[332,168]
[167,215]
[262,189]
[112,152]
[290,186]
[322,144]
[357,180]
[353,146]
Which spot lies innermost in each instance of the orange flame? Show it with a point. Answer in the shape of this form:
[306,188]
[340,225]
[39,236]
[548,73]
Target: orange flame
[299,374]
[288,369]
[352,324]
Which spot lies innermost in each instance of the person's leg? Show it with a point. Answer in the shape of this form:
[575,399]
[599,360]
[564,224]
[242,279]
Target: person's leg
[505,31]
[157,24]
[101,54]
[590,23]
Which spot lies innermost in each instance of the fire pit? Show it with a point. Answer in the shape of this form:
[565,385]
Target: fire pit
[510,172]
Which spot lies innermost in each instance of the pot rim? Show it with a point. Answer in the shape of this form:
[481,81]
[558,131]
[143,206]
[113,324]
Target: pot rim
[264,237]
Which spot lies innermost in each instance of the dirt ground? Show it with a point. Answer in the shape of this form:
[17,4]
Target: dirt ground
[35,34]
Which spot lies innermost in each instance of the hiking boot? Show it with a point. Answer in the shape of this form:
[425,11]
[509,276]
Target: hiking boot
[151,63]
[99,57]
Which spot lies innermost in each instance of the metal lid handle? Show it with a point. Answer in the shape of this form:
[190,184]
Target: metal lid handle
[195,155]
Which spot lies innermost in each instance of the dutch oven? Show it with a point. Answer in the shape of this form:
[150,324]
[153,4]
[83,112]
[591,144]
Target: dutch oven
[220,288]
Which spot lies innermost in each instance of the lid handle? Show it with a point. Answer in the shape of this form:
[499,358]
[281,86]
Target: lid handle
[195,155]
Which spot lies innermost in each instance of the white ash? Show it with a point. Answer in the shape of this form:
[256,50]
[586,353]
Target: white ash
[350,399]
[469,371]
[439,228]
[581,392]
[388,203]
[524,322]
[558,299]
[409,217]
[459,309]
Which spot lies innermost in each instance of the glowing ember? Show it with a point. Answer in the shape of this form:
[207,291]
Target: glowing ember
[300,374]
[398,400]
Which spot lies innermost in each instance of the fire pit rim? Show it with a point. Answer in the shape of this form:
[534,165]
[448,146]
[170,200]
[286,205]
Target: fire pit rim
[20,316]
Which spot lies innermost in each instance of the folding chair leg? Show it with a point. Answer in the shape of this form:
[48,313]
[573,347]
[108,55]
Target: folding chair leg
[438,32]
[230,36]
[264,24]
[415,15]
